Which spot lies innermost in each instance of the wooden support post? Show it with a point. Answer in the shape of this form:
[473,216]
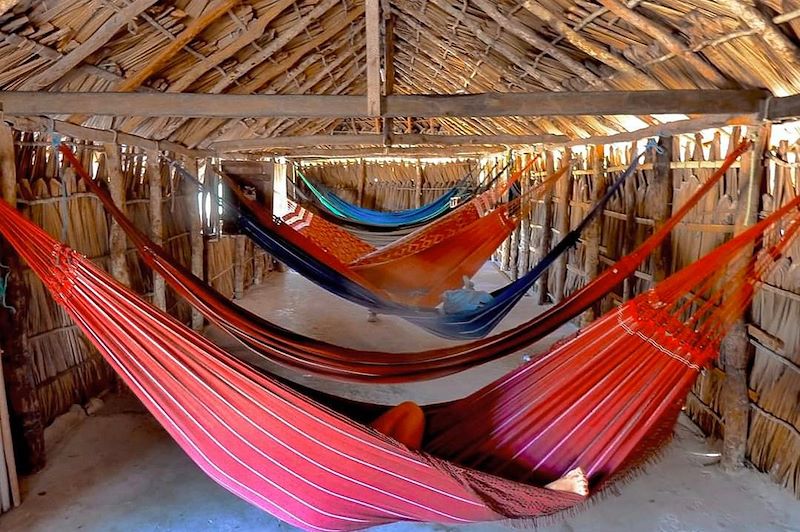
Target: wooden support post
[418,186]
[630,225]
[388,67]
[118,240]
[547,229]
[591,237]
[562,225]
[660,194]
[156,222]
[525,229]
[736,349]
[196,236]
[373,32]
[362,182]
[17,362]
[259,263]
[239,242]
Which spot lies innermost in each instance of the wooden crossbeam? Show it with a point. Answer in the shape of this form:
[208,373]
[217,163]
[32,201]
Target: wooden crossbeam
[310,141]
[401,105]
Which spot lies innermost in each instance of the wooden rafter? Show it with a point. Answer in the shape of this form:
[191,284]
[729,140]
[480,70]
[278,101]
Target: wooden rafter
[58,69]
[373,28]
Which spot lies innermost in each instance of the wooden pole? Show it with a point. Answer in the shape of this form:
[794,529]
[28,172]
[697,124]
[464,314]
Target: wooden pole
[547,229]
[196,236]
[525,229]
[562,225]
[362,182]
[660,194]
[239,242]
[591,264]
[418,185]
[736,350]
[630,225]
[26,414]
[156,223]
[118,240]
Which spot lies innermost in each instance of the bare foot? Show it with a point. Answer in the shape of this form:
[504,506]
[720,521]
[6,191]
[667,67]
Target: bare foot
[574,481]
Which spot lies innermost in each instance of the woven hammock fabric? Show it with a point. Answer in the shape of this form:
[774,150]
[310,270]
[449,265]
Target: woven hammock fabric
[394,219]
[317,469]
[414,271]
[309,355]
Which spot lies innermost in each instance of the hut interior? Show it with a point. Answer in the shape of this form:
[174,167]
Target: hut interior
[268,150]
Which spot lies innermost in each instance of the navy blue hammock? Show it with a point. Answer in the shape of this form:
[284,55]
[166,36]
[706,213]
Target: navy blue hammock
[465,325]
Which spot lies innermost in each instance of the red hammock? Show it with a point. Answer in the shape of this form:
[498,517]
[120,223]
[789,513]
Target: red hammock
[418,268]
[309,355]
[603,400]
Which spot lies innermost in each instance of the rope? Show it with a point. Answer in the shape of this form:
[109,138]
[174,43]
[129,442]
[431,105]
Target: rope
[4,289]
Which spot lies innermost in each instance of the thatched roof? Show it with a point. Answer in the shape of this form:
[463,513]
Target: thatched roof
[435,46]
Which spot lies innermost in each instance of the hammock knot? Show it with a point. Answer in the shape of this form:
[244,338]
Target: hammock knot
[63,271]
[652,144]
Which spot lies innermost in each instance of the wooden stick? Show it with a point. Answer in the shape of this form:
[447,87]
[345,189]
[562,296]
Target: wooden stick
[239,242]
[418,182]
[99,38]
[735,351]
[118,240]
[660,197]
[196,238]
[156,223]
[16,360]
[547,231]
[562,225]
[591,265]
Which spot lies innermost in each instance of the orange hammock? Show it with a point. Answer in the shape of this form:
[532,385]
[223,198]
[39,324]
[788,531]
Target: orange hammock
[417,269]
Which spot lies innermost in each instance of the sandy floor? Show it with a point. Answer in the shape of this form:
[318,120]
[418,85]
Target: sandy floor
[118,470]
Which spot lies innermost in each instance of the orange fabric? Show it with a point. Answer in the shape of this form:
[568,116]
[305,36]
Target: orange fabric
[405,423]
[330,237]
[421,277]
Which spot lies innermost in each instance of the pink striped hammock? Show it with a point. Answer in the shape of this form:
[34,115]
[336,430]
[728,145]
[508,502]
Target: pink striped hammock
[604,400]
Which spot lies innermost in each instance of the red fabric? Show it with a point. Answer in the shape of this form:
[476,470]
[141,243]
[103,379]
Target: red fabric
[309,355]
[601,400]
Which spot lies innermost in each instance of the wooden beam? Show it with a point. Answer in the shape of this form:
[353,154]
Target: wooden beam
[666,38]
[156,223]
[601,53]
[373,16]
[562,225]
[254,30]
[38,124]
[522,31]
[659,195]
[371,139]
[783,108]
[388,65]
[117,240]
[274,46]
[196,240]
[400,105]
[591,236]
[672,128]
[356,153]
[55,71]
[16,359]
[192,30]
[578,103]
[735,351]
[545,242]
[769,32]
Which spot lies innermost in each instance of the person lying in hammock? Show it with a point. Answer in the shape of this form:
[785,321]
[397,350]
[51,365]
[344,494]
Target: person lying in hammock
[406,424]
